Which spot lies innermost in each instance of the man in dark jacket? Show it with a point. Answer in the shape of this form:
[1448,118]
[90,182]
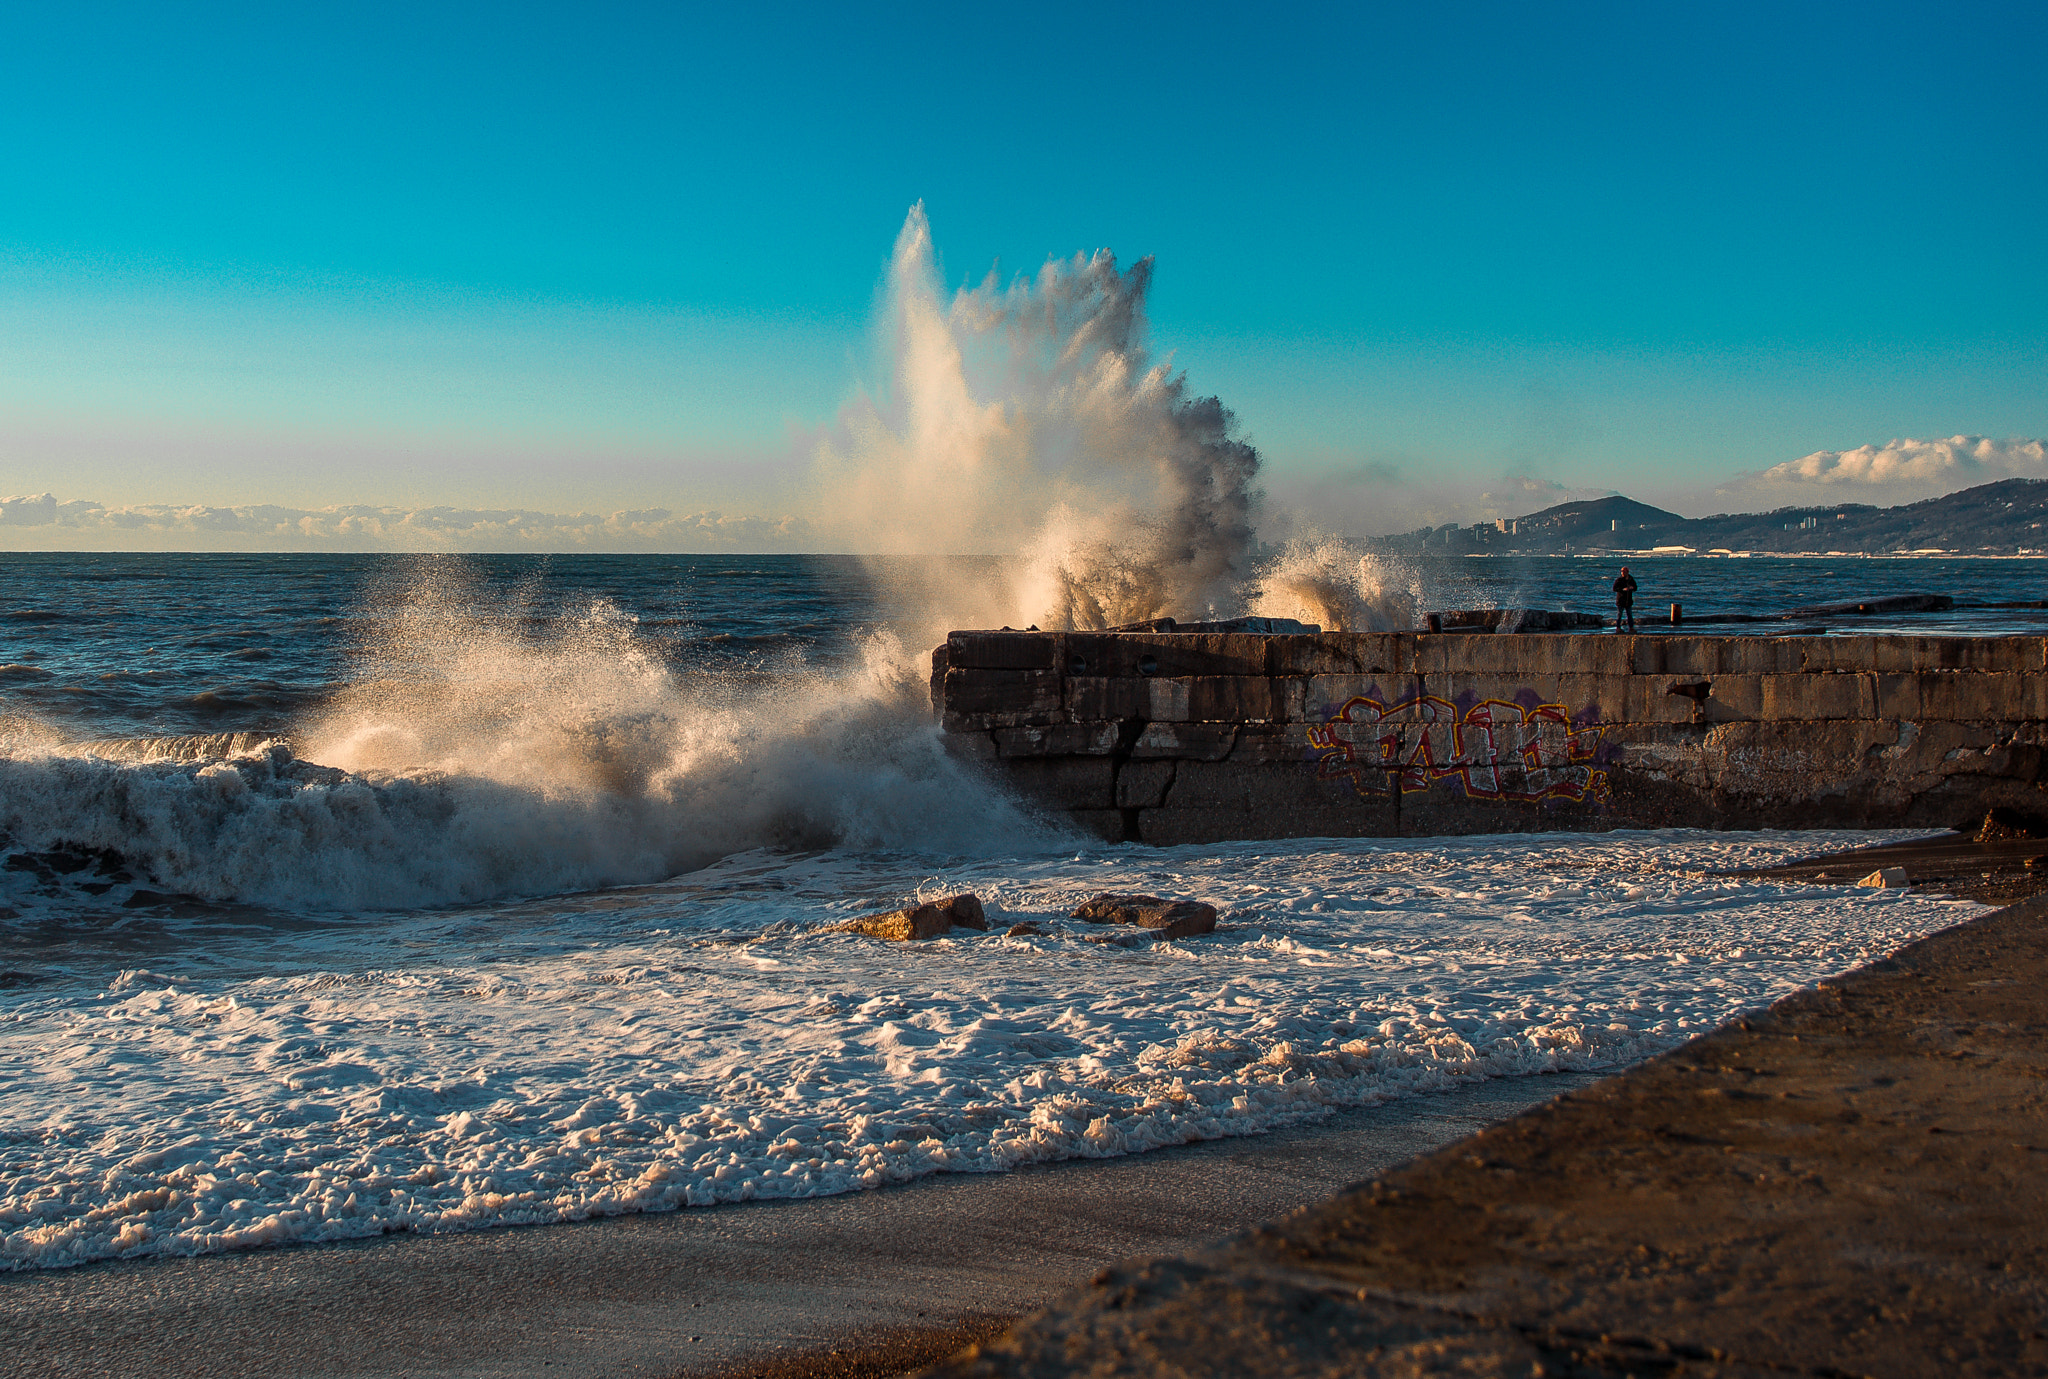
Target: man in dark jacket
[1625,600]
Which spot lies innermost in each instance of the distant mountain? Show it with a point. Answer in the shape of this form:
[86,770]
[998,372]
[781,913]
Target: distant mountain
[2006,518]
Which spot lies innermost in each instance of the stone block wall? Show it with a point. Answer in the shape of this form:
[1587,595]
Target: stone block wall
[1200,737]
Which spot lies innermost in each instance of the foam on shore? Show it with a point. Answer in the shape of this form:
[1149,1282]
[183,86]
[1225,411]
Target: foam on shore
[700,1041]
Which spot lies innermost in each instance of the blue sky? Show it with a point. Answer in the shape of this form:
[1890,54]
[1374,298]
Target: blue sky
[596,256]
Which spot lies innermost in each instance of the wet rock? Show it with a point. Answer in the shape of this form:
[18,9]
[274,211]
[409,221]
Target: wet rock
[928,920]
[1897,603]
[1164,918]
[966,910]
[1023,930]
[1886,878]
[2001,823]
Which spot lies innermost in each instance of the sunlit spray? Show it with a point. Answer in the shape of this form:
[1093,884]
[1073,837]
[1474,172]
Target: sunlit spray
[1027,427]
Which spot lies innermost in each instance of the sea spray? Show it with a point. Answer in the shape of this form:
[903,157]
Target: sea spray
[1027,425]
[1328,582]
[476,754]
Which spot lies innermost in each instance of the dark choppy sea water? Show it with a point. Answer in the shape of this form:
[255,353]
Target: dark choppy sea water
[130,644]
[530,921]
[114,645]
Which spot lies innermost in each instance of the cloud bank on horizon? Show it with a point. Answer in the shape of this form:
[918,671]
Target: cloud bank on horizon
[41,522]
[1899,471]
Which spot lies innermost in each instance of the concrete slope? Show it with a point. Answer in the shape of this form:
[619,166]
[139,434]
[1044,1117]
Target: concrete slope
[1853,1183]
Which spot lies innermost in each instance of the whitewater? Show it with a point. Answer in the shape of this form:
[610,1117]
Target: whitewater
[701,1041]
[507,900]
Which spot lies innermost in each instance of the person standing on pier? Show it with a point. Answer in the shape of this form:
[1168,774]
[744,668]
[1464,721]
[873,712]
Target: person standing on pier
[1625,600]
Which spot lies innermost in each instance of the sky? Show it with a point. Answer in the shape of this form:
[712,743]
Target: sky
[1443,263]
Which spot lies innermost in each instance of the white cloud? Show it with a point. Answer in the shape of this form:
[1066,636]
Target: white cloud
[1900,471]
[41,522]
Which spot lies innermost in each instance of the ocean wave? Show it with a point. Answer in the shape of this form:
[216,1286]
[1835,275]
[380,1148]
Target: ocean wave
[467,763]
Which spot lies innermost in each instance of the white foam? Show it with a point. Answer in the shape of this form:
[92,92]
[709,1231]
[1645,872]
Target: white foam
[700,1041]
[466,762]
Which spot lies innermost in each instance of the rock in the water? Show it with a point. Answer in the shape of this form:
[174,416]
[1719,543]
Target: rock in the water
[1022,930]
[1885,878]
[966,910]
[929,920]
[1164,918]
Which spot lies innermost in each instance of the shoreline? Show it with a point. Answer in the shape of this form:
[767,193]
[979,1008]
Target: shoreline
[1847,1182]
[773,1288]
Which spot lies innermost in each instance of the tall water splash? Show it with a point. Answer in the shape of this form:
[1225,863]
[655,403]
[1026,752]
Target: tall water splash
[1329,582]
[1028,425]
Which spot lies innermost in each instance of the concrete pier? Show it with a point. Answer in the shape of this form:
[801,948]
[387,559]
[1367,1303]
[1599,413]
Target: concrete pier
[1168,737]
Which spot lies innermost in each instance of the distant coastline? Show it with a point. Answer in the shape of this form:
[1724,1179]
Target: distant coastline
[2003,520]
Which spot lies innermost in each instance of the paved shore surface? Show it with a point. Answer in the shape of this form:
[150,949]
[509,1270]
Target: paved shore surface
[1853,1183]
[866,1284]
[1991,872]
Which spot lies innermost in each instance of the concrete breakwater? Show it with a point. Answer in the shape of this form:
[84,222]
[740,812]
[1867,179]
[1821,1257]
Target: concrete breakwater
[1167,737]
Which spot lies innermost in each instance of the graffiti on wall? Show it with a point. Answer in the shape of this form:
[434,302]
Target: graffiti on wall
[1494,750]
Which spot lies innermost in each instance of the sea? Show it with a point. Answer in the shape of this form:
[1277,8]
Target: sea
[511,903]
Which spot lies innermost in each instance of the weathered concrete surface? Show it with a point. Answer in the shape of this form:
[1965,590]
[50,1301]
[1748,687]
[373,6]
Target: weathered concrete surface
[1176,737]
[1854,1183]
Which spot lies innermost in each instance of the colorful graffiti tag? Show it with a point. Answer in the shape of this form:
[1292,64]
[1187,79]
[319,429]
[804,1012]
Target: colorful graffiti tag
[1495,749]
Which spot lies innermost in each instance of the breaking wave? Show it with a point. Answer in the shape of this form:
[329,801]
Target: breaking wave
[477,757]
[1050,469]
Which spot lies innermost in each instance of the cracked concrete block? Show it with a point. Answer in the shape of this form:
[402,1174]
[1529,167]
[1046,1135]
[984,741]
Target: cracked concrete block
[1997,655]
[1762,655]
[1003,650]
[1232,699]
[1143,784]
[1113,697]
[1595,653]
[1595,698]
[1290,704]
[1478,653]
[1648,699]
[1898,696]
[982,698]
[1265,743]
[1816,698]
[1324,696]
[1057,739]
[1965,697]
[970,746]
[1343,653]
[1186,741]
[1735,699]
[1688,657]
[1167,654]
[1065,782]
[1110,825]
